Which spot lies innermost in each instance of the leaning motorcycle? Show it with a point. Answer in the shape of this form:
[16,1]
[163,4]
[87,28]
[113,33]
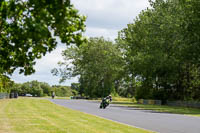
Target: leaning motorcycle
[104,103]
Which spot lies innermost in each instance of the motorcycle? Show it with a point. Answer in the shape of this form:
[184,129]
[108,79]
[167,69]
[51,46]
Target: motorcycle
[104,103]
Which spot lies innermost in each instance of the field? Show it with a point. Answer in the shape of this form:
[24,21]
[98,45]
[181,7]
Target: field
[34,115]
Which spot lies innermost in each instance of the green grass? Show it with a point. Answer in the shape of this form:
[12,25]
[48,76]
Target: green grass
[121,99]
[34,115]
[161,108]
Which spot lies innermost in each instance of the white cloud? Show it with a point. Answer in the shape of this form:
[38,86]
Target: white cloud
[110,14]
[50,60]
[98,32]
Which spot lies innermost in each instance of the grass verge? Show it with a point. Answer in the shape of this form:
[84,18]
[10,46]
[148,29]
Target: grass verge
[162,108]
[33,115]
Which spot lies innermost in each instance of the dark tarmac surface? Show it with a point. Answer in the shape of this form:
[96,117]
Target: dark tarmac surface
[146,119]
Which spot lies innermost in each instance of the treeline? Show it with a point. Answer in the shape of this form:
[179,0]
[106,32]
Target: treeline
[35,88]
[155,57]
[40,89]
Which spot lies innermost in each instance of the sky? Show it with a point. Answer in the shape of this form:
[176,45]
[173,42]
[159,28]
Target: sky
[104,18]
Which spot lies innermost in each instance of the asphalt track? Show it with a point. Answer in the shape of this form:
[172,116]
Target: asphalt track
[146,119]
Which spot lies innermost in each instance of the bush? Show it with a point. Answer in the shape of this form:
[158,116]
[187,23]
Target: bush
[143,93]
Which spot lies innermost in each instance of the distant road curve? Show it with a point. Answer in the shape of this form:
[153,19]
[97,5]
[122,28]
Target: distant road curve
[150,120]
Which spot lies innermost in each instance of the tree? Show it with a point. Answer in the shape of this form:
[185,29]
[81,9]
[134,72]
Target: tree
[160,49]
[25,88]
[46,88]
[5,83]
[16,88]
[32,87]
[28,30]
[76,88]
[62,91]
[35,88]
[97,62]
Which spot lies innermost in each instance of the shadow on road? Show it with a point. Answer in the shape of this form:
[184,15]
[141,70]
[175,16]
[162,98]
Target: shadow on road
[136,108]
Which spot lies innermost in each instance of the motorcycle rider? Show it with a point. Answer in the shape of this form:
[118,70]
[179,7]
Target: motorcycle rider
[109,97]
[105,101]
[53,95]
